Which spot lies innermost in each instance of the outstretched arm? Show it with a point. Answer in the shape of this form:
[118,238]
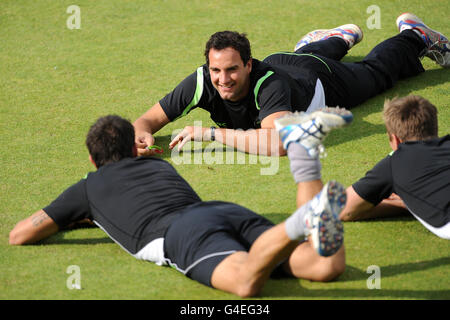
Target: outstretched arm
[147,125]
[32,229]
[359,209]
[264,141]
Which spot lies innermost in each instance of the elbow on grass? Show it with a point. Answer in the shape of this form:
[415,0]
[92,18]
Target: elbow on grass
[15,239]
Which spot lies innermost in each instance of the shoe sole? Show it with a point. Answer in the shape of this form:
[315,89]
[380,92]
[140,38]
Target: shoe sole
[343,116]
[317,32]
[329,233]
[331,118]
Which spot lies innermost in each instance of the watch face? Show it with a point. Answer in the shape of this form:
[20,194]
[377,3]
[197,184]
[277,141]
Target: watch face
[213,135]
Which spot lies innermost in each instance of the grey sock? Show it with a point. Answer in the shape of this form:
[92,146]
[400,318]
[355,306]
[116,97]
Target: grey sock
[303,167]
[295,225]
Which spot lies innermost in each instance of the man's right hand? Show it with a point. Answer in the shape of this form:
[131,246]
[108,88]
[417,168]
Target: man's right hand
[151,121]
[144,140]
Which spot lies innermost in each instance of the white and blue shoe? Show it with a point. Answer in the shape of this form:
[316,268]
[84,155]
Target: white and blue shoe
[350,33]
[322,219]
[438,47]
[310,129]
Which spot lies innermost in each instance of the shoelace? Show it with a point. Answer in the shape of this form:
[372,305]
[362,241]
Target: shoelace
[436,54]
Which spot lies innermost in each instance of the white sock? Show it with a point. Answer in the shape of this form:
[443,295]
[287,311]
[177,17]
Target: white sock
[413,29]
[295,225]
[418,33]
[303,167]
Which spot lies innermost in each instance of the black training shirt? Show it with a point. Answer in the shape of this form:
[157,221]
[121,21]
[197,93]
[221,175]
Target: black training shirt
[133,200]
[272,90]
[419,172]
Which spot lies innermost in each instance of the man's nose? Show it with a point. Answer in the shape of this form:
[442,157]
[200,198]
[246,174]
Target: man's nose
[224,77]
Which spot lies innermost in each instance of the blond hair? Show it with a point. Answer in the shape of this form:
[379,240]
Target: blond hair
[410,118]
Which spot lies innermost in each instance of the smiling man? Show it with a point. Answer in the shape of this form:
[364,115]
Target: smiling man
[244,95]
[226,87]
[228,74]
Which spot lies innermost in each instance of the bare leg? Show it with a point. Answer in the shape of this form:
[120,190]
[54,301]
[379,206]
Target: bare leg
[307,190]
[244,274]
[305,263]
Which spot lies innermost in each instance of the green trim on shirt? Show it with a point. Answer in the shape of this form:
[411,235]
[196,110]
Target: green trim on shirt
[258,86]
[304,54]
[197,95]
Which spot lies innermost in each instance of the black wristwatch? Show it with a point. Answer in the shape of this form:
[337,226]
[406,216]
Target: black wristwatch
[213,135]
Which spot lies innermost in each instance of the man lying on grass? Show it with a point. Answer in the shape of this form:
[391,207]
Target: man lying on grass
[153,213]
[417,171]
[244,95]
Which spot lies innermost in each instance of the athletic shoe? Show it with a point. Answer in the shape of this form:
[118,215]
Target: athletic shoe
[322,219]
[438,47]
[310,129]
[351,33]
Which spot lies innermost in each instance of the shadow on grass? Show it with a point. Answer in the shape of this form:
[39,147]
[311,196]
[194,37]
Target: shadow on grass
[400,217]
[292,288]
[59,239]
[285,288]
[361,129]
[361,293]
[163,141]
[354,274]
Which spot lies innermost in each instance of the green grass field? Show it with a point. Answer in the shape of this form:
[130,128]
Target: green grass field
[55,82]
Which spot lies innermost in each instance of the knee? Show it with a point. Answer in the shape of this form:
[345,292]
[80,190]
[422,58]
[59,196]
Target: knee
[248,289]
[331,269]
[346,216]
[334,271]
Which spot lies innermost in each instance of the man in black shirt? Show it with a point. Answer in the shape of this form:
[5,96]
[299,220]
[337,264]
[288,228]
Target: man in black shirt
[417,171]
[153,214]
[244,95]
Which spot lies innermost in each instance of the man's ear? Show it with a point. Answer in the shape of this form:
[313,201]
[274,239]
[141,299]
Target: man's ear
[394,141]
[92,161]
[249,64]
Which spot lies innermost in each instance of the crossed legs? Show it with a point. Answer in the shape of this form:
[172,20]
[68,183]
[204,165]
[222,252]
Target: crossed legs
[245,273]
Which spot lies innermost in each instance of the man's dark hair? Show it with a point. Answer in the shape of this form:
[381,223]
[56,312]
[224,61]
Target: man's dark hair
[229,39]
[110,139]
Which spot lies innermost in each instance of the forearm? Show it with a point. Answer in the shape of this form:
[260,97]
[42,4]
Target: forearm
[254,141]
[152,120]
[359,209]
[356,208]
[143,124]
[32,229]
[382,210]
